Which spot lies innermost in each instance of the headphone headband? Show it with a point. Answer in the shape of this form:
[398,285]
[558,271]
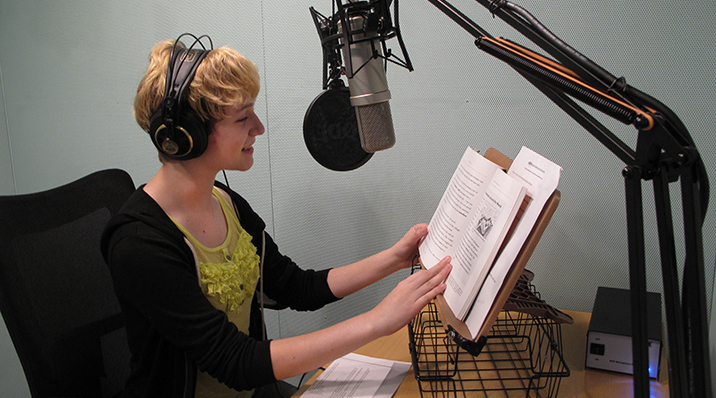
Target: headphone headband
[176,133]
[182,73]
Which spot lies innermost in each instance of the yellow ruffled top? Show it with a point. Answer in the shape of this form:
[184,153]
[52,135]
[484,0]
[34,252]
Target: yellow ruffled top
[233,281]
[229,274]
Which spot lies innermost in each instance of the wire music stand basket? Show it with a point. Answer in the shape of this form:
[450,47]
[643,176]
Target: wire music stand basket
[521,356]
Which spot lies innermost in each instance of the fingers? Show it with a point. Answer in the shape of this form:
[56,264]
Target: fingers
[442,270]
[430,284]
[405,250]
[425,281]
[443,266]
[419,230]
[415,234]
[410,296]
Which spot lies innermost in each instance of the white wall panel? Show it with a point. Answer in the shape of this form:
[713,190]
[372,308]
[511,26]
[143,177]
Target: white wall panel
[69,71]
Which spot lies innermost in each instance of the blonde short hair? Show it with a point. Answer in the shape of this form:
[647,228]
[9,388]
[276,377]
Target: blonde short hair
[224,78]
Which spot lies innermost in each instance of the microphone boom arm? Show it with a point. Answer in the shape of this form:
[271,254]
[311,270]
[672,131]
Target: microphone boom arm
[664,153]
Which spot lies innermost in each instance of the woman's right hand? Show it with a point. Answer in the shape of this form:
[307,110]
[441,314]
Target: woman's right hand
[409,297]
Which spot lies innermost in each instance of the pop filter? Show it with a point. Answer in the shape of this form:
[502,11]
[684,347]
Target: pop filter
[330,130]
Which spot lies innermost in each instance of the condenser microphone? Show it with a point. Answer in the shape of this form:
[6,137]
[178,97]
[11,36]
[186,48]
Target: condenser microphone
[368,85]
[345,126]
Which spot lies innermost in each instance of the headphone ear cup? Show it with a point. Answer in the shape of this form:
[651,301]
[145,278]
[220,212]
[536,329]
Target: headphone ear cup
[188,139]
[157,130]
[196,132]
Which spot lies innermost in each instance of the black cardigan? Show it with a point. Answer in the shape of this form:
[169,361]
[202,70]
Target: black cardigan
[171,327]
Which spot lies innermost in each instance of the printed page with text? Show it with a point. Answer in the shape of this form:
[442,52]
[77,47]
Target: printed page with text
[470,223]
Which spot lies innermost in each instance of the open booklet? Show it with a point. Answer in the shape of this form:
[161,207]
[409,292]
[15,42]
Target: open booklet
[482,221]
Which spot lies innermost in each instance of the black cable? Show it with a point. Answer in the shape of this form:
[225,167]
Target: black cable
[607,78]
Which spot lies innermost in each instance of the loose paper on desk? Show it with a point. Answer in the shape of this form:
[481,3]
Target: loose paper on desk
[541,177]
[358,376]
[470,223]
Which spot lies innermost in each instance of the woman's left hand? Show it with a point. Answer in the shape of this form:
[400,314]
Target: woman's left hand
[405,250]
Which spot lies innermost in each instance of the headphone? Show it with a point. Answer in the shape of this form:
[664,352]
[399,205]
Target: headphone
[180,134]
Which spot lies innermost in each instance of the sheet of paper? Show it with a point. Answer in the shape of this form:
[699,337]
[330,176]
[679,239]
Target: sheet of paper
[358,376]
[541,177]
[479,245]
[456,207]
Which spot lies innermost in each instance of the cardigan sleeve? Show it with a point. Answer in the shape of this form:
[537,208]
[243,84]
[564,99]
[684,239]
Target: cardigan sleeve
[285,282]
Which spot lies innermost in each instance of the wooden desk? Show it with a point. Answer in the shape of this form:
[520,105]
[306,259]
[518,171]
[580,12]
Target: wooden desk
[582,383]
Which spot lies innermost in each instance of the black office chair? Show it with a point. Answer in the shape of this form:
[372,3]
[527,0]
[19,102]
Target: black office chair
[56,293]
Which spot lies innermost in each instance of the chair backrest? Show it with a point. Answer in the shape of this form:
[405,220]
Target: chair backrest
[56,294]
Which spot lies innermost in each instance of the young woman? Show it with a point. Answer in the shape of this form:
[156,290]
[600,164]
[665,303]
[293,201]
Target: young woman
[186,254]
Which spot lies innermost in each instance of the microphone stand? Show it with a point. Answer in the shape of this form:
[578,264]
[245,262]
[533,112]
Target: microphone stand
[665,153]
